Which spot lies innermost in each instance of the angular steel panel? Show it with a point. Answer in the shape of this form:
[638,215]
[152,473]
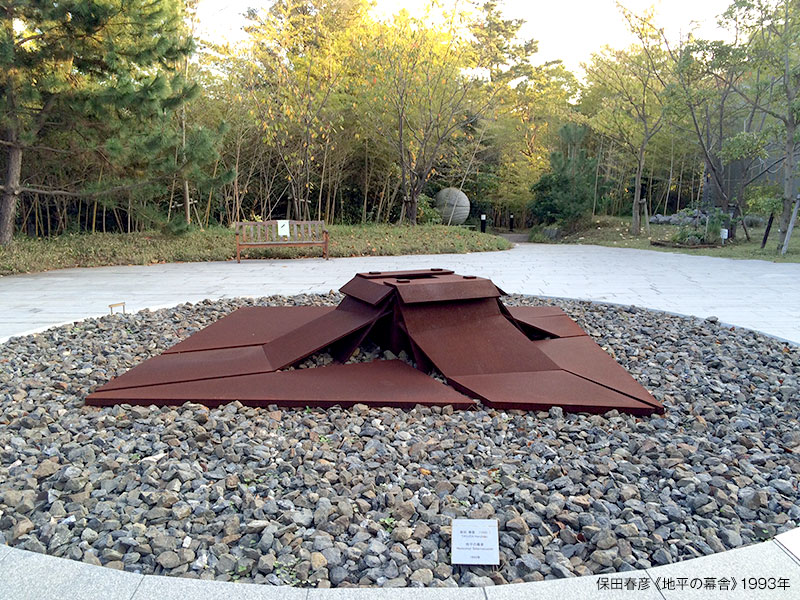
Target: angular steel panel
[470,338]
[540,390]
[380,383]
[443,288]
[406,274]
[350,316]
[193,366]
[249,326]
[583,357]
[534,312]
[371,291]
[550,322]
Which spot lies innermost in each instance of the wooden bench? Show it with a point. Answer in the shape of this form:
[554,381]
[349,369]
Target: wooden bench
[265,234]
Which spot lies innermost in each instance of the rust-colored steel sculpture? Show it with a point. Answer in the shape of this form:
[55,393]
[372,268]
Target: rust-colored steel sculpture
[383,383]
[507,357]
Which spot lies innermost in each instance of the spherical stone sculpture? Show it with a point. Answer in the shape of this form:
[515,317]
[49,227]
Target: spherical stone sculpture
[453,205]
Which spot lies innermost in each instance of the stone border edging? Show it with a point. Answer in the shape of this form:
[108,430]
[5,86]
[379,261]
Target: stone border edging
[26,575]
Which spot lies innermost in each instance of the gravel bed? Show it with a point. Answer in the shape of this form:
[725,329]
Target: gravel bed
[336,498]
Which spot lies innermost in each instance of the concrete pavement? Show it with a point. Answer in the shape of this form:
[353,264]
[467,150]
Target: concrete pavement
[766,571]
[755,294]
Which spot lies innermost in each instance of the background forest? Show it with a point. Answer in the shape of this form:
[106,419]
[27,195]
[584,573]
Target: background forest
[114,118]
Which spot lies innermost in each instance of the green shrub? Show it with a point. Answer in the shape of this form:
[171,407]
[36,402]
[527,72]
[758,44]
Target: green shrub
[705,230]
[764,199]
[564,196]
[536,235]
[426,213]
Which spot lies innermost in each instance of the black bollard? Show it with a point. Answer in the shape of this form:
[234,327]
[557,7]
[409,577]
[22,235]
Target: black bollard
[483,223]
[511,222]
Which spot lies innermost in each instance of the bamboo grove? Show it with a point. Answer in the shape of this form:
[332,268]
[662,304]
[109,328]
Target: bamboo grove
[115,118]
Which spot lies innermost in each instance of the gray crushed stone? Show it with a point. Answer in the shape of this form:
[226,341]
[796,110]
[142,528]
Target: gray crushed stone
[364,496]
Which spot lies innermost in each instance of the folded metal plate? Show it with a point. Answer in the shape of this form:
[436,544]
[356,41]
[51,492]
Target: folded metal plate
[454,323]
[448,314]
[443,288]
[249,326]
[350,316]
[407,274]
[583,357]
[542,389]
[193,366]
[346,347]
[471,337]
[535,311]
[381,383]
[388,333]
[371,291]
[545,321]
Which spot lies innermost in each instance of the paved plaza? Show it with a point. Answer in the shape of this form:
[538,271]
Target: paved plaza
[755,294]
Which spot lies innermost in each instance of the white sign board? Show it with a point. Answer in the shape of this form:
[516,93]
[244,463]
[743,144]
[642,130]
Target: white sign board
[283,228]
[475,542]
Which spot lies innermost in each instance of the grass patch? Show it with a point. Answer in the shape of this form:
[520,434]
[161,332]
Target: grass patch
[615,232]
[29,255]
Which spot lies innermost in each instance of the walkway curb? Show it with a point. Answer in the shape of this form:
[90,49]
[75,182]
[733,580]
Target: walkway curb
[26,575]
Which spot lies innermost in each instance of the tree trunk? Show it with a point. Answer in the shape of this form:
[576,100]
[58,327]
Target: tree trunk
[8,203]
[366,181]
[597,177]
[187,204]
[636,221]
[407,193]
[787,238]
[708,199]
[411,206]
[411,212]
[207,216]
[788,183]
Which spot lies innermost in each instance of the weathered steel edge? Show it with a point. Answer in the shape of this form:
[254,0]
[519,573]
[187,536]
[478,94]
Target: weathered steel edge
[26,575]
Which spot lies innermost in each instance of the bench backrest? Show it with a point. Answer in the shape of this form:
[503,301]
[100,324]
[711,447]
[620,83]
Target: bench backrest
[267,231]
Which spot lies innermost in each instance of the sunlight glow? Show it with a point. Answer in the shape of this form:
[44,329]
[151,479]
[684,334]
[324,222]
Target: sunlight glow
[569,30]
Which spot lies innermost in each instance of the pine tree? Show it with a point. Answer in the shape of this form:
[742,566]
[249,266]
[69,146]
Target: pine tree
[110,66]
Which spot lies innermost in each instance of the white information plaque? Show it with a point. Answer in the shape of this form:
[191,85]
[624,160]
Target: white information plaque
[283,228]
[475,542]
